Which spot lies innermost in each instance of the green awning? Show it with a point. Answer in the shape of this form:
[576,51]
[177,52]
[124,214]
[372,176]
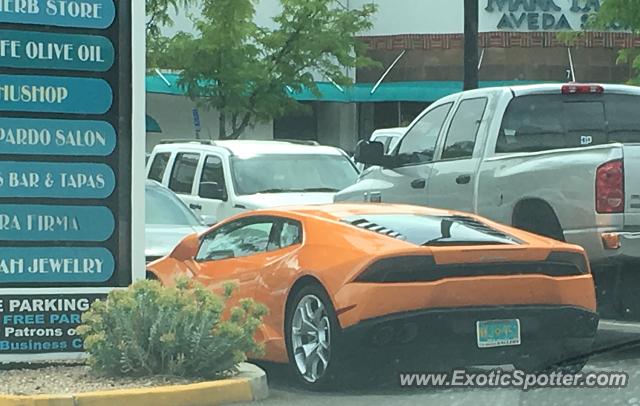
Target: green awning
[422,91]
[152,125]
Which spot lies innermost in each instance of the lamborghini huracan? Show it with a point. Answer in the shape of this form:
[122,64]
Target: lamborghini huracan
[347,279]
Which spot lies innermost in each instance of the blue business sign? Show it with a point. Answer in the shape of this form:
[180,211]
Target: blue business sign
[56,180]
[67,91]
[45,50]
[55,265]
[26,222]
[25,136]
[54,94]
[63,13]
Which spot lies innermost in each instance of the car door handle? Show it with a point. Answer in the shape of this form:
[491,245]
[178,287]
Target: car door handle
[419,183]
[195,206]
[463,179]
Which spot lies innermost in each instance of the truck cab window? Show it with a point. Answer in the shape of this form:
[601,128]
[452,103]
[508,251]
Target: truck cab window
[419,144]
[461,138]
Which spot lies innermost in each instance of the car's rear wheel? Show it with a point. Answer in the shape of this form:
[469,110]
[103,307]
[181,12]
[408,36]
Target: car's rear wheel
[312,332]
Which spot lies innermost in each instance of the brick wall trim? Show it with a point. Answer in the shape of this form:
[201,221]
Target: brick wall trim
[499,39]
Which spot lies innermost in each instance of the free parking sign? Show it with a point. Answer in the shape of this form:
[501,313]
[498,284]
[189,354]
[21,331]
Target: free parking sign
[71,166]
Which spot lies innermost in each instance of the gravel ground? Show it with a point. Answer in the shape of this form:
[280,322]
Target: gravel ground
[68,379]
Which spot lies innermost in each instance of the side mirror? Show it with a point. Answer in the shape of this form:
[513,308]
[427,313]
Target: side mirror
[212,190]
[187,248]
[370,153]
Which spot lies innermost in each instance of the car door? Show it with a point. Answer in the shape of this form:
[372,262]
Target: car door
[211,194]
[406,183]
[452,182]
[183,175]
[235,252]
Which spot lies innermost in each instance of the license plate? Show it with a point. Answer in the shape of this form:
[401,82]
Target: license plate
[497,333]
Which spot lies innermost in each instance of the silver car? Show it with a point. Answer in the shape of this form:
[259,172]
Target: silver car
[167,221]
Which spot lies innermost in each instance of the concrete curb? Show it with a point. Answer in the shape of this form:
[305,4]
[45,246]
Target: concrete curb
[249,385]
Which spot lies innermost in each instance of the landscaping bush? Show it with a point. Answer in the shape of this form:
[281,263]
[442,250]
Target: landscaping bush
[149,329]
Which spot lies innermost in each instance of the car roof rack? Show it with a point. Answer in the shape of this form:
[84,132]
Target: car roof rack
[299,142]
[188,141]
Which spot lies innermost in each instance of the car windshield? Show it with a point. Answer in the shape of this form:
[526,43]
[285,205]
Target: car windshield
[284,173]
[164,208]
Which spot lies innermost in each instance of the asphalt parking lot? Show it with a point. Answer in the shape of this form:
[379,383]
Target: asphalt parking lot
[623,338]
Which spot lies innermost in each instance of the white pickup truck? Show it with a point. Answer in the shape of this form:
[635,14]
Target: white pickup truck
[561,160]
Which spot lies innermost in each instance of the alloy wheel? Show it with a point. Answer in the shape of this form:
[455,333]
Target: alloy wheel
[310,338]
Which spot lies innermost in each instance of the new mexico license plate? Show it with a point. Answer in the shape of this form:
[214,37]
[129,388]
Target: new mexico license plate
[498,333]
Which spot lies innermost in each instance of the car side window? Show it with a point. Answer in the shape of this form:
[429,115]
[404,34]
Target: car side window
[463,131]
[237,239]
[158,166]
[184,172]
[212,179]
[290,233]
[419,144]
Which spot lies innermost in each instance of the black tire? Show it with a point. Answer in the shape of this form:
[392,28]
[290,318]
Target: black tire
[538,218]
[329,375]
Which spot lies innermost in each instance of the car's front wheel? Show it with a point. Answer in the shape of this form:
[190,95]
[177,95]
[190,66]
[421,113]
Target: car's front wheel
[312,335]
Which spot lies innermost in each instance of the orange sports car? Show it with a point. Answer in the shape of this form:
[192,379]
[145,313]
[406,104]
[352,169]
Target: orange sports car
[345,279]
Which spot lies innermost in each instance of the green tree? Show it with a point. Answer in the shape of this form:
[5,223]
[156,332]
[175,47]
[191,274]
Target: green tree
[620,15]
[158,16]
[246,71]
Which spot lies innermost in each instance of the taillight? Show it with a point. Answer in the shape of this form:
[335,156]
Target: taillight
[582,89]
[610,187]
[398,269]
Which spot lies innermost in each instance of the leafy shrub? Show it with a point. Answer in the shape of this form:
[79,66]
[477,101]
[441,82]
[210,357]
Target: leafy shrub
[149,329]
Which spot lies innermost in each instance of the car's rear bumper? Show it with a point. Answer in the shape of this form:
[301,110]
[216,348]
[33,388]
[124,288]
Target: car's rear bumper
[592,241]
[549,333]
[629,244]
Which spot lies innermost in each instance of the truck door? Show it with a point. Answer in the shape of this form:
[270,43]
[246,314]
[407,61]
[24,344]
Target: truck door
[453,177]
[407,182]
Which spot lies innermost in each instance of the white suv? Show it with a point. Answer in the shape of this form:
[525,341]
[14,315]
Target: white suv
[222,178]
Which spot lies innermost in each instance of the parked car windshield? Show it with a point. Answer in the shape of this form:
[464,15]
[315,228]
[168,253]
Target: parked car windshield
[164,207]
[285,173]
[544,122]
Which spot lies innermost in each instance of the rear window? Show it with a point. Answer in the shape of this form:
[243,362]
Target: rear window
[545,122]
[432,230]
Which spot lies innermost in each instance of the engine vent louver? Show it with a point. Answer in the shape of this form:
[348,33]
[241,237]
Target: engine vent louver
[367,225]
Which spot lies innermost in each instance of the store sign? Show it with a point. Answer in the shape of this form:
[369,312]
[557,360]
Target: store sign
[55,94]
[539,15]
[25,222]
[64,13]
[21,136]
[23,49]
[40,324]
[69,107]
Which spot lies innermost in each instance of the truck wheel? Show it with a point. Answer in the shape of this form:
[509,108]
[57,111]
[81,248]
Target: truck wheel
[539,218]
